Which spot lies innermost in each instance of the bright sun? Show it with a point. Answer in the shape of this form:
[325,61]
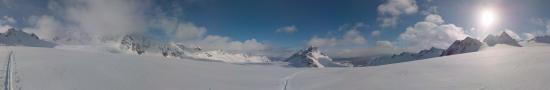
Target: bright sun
[487,17]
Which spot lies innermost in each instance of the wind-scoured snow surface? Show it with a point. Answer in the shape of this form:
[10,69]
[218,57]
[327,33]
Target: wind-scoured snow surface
[494,68]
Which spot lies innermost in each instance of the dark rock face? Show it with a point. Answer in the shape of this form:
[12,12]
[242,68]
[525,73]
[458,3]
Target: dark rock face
[172,51]
[463,46]
[137,44]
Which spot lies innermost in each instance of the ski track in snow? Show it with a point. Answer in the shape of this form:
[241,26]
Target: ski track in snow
[8,73]
[287,78]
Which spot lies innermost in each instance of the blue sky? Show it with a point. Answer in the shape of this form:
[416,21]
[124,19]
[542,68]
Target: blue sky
[244,19]
[334,25]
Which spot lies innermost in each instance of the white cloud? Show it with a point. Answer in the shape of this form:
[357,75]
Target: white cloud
[51,29]
[6,23]
[8,20]
[392,9]
[354,37]
[528,36]
[429,1]
[434,19]
[388,21]
[426,34]
[192,34]
[398,7]
[225,43]
[375,33]
[4,28]
[350,38]
[322,42]
[381,48]
[178,31]
[107,18]
[46,27]
[112,19]
[188,31]
[386,44]
[287,29]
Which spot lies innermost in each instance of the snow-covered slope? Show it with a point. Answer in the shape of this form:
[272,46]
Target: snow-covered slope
[310,57]
[463,46]
[14,37]
[493,68]
[503,38]
[56,69]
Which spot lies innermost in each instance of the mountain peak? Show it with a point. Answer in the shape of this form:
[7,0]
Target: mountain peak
[14,37]
[134,43]
[310,57]
[463,46]
[503,38]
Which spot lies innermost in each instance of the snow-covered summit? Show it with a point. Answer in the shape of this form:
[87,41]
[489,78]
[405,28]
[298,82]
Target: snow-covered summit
[503,38]
[311,57]
[463,46]
[14,37]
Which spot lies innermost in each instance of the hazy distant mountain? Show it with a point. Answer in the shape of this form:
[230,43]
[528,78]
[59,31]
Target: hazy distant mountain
[463,46]
[503,38]
[404,57]
[14,37]
[541,39]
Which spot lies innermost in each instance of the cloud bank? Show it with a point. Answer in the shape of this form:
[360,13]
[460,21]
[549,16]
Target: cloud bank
[381,48]
[350,38]
[99,21]
[6,23]
[390,11]
[287,29]
[432,32]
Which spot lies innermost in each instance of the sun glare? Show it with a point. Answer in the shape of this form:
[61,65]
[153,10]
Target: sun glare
[487,17]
